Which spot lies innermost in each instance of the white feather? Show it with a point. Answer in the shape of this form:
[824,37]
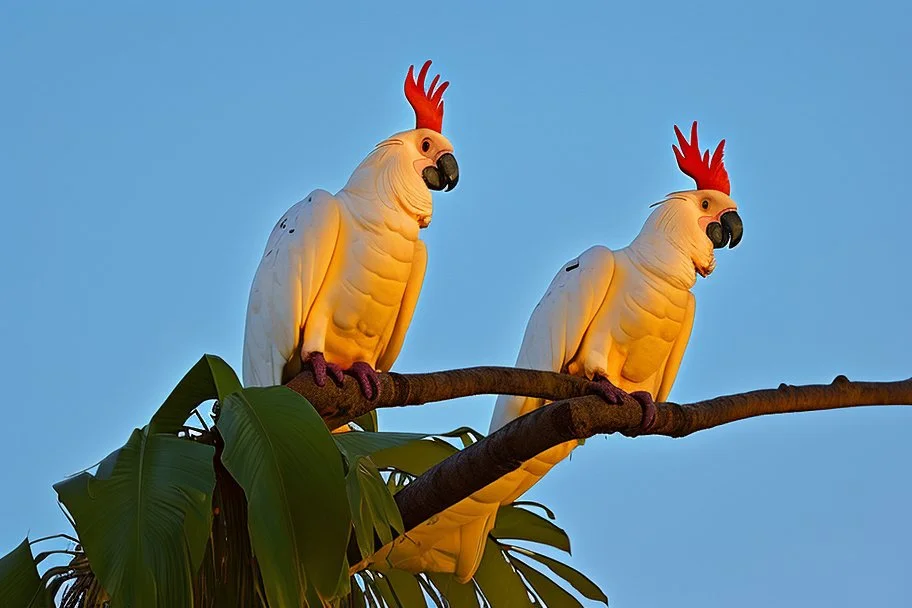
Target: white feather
[559,322]
[295,262]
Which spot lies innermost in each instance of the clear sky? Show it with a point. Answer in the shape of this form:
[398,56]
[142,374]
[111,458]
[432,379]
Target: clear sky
[145,155]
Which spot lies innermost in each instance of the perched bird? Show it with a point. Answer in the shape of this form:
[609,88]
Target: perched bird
[341,273]
[623,318]
[620,318]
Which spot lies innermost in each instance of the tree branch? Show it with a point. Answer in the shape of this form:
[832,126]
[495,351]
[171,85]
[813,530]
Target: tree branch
[339,405]
[575,414]
[503,451]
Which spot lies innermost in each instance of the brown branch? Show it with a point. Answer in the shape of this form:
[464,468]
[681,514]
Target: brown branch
[339,405]
[575,414]
[471,469]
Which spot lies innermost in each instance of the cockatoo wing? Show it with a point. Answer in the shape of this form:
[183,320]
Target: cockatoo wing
[677,352]
[293,268]
[406,310]
[453,541]
[558,324]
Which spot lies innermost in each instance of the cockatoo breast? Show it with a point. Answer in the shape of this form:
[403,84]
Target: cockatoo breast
[631,337]
[356,309]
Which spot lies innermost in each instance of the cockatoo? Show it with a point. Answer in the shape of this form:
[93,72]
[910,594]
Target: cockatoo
[341,273]
[623,318]
[620,318]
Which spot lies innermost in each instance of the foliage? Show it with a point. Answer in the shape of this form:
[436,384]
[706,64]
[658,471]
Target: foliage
[283,456]
[502,579]
[20,584]
[145,517]
[267,508]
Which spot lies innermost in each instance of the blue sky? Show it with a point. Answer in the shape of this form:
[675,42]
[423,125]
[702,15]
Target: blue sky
[146,153]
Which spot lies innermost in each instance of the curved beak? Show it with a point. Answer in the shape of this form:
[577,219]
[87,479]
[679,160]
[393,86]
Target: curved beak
[444,175]
[727,231]
[731,223]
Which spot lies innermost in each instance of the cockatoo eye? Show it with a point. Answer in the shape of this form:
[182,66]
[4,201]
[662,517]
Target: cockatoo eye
[705,204]
[425,145]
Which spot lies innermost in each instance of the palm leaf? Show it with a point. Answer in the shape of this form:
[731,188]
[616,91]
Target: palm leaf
[549,592]
[145,521]
[280,452]
[520,524]
[498,581]
[20,584]
[210,378]
[577,579]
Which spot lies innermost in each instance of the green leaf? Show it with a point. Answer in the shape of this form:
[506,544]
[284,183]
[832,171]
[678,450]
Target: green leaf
[369,496]
[362,518]
[371,591]
[20,584]
[397,480]
[457,595]
[373,509]
[106,466]
[368,421]
[498,581]
[431,592]
[415,457]
[358,444]
[280,452]
[576,578]
[210,378]
[401,589]
[145,526]
[356,598]
[381,501]
[531,503]
[466,434]
[552,594]
[513,522]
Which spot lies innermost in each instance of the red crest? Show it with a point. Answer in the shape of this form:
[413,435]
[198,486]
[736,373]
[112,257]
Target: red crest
[428,105]
[710,174]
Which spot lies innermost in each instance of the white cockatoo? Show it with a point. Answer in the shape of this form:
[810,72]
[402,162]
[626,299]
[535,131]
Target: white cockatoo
[620,318]
[623,318]
[341,273]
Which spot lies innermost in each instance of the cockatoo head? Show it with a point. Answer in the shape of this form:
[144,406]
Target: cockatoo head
[405,167]
[698,221]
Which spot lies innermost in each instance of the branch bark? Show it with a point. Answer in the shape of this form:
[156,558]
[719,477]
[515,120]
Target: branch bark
[574,414]
[505,450]
[339,405]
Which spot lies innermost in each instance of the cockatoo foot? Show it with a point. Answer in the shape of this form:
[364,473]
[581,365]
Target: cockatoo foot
[322,369]
[367,378]
[650,411]
[604,388]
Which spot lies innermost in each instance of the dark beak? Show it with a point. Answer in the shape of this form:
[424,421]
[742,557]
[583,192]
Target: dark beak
[445,175]
[727,231]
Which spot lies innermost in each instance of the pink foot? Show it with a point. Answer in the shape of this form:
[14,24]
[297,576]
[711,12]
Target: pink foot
[603,387]
[323,369]
[649,410]
[367,378]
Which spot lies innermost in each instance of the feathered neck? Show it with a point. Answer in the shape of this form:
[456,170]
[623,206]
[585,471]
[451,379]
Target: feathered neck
[663,252]
[380,185]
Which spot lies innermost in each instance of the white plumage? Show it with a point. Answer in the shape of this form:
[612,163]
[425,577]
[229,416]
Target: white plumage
[608,314]
[624,316]
[341,274]
[602,313]
[293,268]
